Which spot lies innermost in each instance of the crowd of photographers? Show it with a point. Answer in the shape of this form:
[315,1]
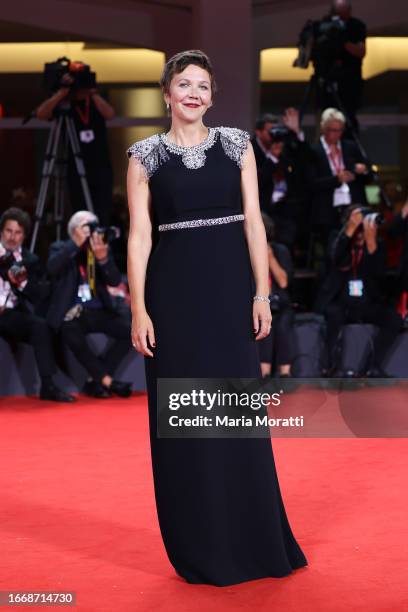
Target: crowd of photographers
[63,301]
[313,199]
[315,211]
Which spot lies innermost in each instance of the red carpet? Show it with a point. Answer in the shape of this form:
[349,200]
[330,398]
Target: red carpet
[78,513]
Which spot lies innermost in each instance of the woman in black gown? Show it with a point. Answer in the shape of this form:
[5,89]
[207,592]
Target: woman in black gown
[219,505]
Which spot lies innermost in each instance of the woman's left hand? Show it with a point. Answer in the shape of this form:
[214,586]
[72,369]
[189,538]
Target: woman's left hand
[262,319]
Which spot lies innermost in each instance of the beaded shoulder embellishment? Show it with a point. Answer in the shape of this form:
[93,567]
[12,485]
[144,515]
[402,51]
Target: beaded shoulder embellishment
[150,152]
[192,157]
[234,142]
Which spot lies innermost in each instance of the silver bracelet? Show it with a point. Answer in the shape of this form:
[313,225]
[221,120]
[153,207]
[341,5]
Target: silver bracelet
[262,298]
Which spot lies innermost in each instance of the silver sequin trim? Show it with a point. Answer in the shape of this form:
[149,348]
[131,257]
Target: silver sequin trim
[150,152]
[153,151]
[200,222]
[192,157]
[234,142]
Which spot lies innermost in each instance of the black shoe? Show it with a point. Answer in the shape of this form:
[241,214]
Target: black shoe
[53,394]
[96,389]
[376,373]
[345,374]
[123,389]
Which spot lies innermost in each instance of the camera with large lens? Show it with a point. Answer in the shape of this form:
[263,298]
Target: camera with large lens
[375,217]
[108,233]
[280,133]
[322,43]
[81,75]
[9,264]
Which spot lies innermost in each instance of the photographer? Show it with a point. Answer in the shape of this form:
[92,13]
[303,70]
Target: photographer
[278,347]
[282,155]
[338,51]
[337,176]
[20,288]
[352,290]
[82,268]
[89,112]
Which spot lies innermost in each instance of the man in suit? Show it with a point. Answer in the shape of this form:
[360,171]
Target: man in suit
[281,156]
[337,175]
[352,293]
[81,269]
[21,287]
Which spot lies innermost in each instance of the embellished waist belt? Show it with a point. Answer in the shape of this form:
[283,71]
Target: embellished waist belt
[200,222]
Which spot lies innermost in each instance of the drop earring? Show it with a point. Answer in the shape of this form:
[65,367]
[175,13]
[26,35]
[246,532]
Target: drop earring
[168,106]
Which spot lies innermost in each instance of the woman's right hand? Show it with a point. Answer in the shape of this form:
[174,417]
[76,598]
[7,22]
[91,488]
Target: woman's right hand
[142,328]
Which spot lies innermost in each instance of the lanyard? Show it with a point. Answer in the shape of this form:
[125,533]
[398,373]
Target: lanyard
[337,161]
[88,275]
[356,257]
[84,115]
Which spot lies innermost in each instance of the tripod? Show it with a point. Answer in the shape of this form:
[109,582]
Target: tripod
[63,137]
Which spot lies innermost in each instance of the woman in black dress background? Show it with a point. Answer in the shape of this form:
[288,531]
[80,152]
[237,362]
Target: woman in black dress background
[199,305]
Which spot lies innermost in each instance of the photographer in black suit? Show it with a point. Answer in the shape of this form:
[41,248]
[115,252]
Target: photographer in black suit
[337,175]
[281,156]
[352,290]
[81,269]
[278,347]
[20,289]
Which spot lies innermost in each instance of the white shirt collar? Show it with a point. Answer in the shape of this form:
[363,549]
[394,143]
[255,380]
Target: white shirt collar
[326,147]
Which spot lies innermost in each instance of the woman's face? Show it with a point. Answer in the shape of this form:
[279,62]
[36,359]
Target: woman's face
[190,94]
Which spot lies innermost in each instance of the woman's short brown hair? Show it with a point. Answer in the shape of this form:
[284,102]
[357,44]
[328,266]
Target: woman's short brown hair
[180,61]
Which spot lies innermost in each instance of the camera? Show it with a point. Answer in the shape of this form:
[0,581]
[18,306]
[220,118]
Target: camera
[375,217]
[322,43]
[108,233]
[280,133]
[80,73]
[366,211]
[9,264]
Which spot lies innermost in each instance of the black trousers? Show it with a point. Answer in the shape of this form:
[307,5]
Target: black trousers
[113,325]
[26,327]
[278,347]
[386,318]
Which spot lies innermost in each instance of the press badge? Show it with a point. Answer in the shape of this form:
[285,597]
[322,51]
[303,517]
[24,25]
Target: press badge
[86,136]
[84,292]
[356,288]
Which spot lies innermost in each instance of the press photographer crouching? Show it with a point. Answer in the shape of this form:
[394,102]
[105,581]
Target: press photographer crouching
[20,288]
[352,290]
[278,347]
[81,269]
[75,92]
[337,174]
[281,155]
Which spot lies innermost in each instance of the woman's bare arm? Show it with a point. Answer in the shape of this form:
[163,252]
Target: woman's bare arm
[139,248]
[256,238]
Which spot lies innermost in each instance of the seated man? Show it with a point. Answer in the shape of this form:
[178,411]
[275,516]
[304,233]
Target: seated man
[352,291]
[81,269]
[20,287]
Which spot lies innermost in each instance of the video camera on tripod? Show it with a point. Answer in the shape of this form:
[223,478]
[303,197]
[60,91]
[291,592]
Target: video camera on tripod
[322,42]
[81,76]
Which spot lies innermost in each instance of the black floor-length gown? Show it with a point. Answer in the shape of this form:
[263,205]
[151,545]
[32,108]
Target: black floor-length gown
[218,500]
